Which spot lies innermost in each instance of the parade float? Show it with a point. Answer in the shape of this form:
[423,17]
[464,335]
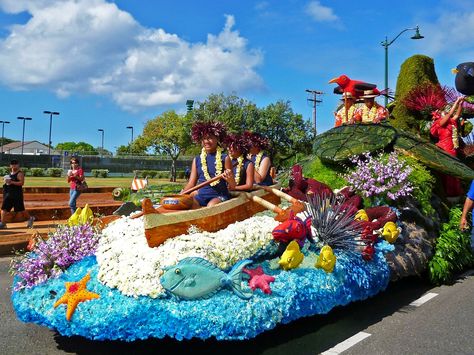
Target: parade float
[372,215]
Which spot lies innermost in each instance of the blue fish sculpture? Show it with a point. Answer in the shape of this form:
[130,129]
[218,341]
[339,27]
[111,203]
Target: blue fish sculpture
[196,278]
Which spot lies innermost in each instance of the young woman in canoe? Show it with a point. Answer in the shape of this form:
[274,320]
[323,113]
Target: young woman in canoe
[210,163]
[238,147]
[262,162]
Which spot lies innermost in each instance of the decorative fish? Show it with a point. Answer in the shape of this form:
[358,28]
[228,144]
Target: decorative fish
[196,278]
[390,232]
[74,219]
[326,259]
[294,228]
[291,257]
[361,215]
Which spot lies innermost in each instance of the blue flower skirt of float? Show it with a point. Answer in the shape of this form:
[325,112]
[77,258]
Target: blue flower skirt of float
[297,293]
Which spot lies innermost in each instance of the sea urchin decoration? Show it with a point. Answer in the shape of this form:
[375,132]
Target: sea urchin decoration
[334,223]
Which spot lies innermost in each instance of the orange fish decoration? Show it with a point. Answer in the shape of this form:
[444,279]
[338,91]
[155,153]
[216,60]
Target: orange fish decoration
[76,292]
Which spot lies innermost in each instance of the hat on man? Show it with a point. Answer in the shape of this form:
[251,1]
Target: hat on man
[369,94]
[347,95]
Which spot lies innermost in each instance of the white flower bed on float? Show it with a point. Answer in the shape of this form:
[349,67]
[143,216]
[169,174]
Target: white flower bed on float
[127,263]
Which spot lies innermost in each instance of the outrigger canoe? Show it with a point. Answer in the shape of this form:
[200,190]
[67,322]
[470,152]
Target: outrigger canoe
[161,224]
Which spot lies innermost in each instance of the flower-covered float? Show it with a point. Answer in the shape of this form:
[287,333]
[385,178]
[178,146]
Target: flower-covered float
[252,275]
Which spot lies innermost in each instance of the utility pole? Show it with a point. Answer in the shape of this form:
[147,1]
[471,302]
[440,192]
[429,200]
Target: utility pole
[314,99]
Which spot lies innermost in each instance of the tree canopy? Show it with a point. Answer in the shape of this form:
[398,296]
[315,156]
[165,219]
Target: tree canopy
[77,147]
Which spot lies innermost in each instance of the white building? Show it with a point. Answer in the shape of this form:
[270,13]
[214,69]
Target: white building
[29,148]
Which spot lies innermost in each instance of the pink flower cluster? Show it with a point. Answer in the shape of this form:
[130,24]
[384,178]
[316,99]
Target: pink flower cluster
[380,177]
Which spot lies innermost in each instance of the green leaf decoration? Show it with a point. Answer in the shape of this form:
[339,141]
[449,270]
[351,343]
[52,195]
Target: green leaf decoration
[432,156]
[340,143]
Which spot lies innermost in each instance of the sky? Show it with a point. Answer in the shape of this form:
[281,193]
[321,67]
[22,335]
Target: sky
[111,64]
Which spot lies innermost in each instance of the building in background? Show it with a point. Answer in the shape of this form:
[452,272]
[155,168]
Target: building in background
[29,148]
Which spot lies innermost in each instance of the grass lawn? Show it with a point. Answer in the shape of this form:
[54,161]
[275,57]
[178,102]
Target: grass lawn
[31,181]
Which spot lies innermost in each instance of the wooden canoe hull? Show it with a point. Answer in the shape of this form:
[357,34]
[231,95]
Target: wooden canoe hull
[161,226]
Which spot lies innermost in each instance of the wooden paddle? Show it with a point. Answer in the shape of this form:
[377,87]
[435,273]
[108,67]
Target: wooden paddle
[183,201]
[281,214]
[296,205]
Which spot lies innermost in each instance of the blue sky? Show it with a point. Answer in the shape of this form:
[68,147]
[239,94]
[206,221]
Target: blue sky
[111,64]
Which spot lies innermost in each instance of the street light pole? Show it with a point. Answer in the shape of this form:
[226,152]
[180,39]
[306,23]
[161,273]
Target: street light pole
[131,127]
[387,43]
[102,131]
[3,132]
[50,113]
[23,135]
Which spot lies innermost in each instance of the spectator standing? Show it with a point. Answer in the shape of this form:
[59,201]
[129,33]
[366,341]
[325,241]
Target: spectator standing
[75,176]
[13,194]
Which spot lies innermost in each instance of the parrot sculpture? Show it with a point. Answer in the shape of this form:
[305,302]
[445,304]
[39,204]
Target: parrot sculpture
[355,87]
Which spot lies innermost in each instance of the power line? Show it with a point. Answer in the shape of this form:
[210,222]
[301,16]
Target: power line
[314,99]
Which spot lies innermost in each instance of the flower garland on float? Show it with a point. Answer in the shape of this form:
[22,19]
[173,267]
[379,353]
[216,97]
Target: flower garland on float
[218,165]
[369,115]
[258,160]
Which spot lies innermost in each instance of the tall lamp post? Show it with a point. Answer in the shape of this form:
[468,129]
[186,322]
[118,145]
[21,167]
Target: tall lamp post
[50,113]
[131,127]
[102,131]
[3,132]
[387,43]
[23,135]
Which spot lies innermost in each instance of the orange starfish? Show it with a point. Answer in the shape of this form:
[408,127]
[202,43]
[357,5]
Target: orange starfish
[76,292]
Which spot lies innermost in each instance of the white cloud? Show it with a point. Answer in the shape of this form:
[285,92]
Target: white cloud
[320,13]
[72,46]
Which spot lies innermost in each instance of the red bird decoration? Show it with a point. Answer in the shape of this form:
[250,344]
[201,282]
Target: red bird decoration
[355,87]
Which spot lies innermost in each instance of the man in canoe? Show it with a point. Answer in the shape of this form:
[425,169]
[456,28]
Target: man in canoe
[262,162]
[238,147]
[210,163]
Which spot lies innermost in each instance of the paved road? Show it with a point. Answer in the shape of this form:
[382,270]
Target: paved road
[390,325]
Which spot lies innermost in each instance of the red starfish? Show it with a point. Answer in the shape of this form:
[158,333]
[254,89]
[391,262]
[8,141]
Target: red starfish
[259,280]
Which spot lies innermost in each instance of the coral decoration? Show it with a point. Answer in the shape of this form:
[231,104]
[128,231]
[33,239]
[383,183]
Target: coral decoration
[258,279]
[293,229]
[76,292]
[300,187]
[326,259]
[368,252]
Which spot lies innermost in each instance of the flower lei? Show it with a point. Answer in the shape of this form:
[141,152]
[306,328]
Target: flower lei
[218,165]
[258,160]
[455,137]
[238,169]
[350,113]
[369,115]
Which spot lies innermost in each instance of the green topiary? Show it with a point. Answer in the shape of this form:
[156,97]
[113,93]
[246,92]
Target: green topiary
[452,250]
[415,71]
[328,174]
[37,171]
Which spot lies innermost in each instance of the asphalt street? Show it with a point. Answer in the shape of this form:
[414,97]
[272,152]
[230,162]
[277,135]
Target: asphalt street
[394,322]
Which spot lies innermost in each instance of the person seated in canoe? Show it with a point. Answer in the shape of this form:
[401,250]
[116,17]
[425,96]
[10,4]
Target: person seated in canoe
[238,147]
[262,162]
[210,163]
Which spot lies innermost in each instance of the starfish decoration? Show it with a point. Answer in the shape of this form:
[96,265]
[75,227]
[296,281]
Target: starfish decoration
[259,280]
[76,292]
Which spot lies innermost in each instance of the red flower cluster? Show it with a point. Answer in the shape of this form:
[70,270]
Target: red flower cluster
[426,98]
[201,129]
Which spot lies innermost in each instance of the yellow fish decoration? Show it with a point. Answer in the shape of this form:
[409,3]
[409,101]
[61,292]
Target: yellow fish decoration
[291,257]
[390,232]
[74,219]
[86,215]
[326,259]
[361,215]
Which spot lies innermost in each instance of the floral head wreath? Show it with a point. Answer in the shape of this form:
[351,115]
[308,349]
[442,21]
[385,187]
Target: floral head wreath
[436,115]
[239,142]
[201,129]
[257,140]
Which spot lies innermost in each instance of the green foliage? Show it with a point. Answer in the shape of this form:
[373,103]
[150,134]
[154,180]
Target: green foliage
[326,173]
[54,172]
[26,171]
[131,149]
[154,193]
[452,250]
[102,173]
[288,132]
[80,147]
[121,193]
[37,171]
[415,71]
[423,182]
[4,170]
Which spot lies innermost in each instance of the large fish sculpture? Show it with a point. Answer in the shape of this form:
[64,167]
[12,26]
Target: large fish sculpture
[292,256]
[294,228]
[196,278]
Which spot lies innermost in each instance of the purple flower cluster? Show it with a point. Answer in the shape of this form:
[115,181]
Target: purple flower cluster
[380,177]
[52,256]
